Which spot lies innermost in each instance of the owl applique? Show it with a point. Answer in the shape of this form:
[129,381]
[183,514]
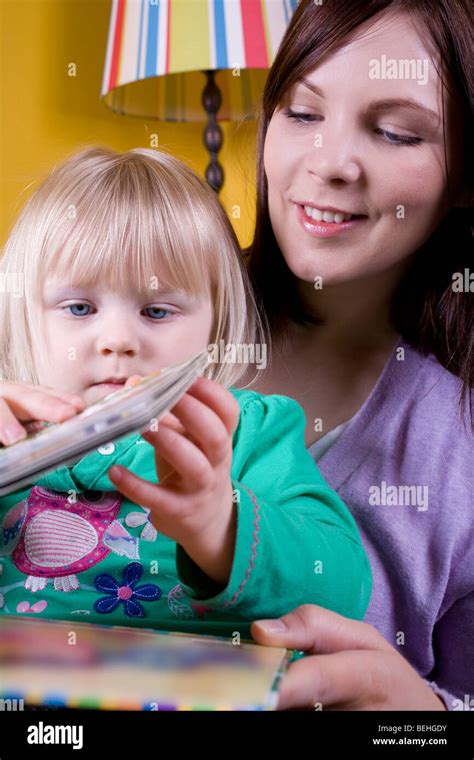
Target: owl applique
[52,537]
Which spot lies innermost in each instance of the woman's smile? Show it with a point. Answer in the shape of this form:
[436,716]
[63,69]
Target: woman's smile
[324,224]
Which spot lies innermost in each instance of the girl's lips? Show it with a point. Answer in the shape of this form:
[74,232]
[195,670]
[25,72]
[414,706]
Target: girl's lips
[112,386]
[327,229]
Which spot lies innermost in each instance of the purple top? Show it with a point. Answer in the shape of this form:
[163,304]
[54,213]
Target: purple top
[404,466]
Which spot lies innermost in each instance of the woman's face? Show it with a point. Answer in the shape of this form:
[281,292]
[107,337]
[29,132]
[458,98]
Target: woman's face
[354,147]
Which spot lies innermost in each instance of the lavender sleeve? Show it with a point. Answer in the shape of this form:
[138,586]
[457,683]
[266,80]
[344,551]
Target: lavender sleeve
[455,645]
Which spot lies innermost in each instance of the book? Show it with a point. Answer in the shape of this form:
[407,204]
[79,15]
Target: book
[83,665]
[128,410]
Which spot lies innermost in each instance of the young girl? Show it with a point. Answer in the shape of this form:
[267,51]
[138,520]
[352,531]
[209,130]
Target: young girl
[128,264]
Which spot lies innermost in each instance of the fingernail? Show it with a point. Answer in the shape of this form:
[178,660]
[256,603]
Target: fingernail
[272,626]
[34,427]
[12,434]
[116,472]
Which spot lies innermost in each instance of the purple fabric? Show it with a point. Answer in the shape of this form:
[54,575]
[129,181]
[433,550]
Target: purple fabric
[411,432]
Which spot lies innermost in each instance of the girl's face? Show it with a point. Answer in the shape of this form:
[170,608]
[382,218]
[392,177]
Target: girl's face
[95,334]
[353,142]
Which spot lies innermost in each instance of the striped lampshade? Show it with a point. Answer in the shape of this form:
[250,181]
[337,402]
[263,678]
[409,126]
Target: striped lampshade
[181,39]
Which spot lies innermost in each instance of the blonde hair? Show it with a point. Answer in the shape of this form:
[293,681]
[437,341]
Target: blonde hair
[126,218]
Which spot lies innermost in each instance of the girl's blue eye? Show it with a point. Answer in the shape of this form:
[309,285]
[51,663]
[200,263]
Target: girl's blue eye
[84,309]
[157,312]
[79,306]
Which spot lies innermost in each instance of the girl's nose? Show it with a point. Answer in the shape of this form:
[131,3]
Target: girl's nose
[117,343]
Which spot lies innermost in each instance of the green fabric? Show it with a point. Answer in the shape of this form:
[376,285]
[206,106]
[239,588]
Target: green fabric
[296,542]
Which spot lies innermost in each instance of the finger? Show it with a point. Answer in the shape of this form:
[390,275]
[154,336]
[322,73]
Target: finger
[219,399]
[350,680]
[142,492]
[317,630]
[70,398]
[205,428]
[175,452]
[34,427]
[133,380]
[14,391]
[10,429]
[34,407]
[172,422]
[35,404]
[163,468]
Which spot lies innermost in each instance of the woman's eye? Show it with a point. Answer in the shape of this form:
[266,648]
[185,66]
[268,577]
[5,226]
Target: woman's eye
[157,312]
[300,116]
[80,307]
[391,137]
[399,139]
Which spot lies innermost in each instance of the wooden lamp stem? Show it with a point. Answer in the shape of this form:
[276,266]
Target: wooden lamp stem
[211,100]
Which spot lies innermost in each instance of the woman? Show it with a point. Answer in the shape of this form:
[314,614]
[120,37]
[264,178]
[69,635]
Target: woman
[367,112]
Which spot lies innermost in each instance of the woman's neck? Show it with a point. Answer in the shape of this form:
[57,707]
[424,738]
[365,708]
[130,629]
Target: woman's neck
[332,365]
[350,316]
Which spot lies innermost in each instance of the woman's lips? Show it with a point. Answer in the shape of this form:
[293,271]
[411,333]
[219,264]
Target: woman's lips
[327,229]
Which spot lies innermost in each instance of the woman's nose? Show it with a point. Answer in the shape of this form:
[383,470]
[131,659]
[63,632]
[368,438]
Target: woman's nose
[335,157]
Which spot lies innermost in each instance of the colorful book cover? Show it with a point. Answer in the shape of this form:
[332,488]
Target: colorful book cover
[45,662]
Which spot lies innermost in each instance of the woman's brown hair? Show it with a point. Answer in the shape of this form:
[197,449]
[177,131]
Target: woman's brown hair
[426,310]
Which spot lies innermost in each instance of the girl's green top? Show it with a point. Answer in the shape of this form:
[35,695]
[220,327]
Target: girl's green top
[73,548]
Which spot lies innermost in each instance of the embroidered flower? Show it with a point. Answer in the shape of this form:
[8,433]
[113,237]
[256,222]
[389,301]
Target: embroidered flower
[135,519]
[127,592]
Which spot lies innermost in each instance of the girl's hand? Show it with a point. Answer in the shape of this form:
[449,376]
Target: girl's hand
[28,404]
[193,455]
[133,380]
[352,667]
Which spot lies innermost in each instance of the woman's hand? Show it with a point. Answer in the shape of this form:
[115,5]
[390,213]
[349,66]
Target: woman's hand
[350,665]
[193,455]
[24,406]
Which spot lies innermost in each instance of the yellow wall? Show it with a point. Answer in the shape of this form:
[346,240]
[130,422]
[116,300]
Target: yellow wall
[46,114]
